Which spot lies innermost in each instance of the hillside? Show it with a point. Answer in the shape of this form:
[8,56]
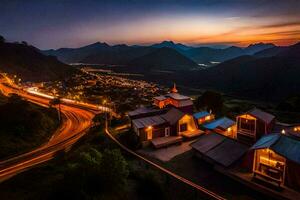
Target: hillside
[270,52]
[163,55]
[29,64]
[73,55]
[117,55]
[24,125]
[208,54]
[268,78]
[102,53]
[164,59]
[170,44]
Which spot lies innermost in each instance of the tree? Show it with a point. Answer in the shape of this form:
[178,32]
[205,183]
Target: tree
[114,169]
[97,172]
[54,102]
[210,100]
[130,139]
[2,39]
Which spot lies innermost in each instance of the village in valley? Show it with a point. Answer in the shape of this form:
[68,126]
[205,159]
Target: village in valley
[253,148]
[150,100]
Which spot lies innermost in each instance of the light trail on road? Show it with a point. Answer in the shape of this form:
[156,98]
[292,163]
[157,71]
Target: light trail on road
[75,122]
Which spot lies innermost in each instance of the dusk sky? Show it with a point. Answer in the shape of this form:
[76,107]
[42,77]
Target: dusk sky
[54,24]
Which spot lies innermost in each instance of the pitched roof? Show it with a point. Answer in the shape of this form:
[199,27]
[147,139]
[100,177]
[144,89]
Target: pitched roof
[264,116]
[201,114]
[173,115]
[148,121]
[160,98]
[142,110]
[283,145]
[177,96]
[208,142]
[223,123]
[219,148]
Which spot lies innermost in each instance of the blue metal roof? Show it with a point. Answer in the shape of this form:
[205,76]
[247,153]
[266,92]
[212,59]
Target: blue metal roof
[266,141]
[201,114]
[283,145]
[223,122]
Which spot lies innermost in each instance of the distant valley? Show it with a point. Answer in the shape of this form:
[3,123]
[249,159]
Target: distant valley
[260,71]
[270,74]
[165,55]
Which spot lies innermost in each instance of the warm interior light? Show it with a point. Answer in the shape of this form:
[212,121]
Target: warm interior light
[297,128]
[283,131]
[207,117]
[229,129]
[149,127]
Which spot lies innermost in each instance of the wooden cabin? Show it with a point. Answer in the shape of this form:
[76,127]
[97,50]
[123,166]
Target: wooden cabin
[224,126]
[151,127]
[204,117]
[253,124]
[277,160]
[172,123]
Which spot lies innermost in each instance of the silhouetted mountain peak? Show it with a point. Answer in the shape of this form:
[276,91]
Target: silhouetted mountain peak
[171,44]
[167,42]
[260,44]
[233,47]
[96,45]
[291,51]
[253,48]
[121,46]
[297,44]
[29,63]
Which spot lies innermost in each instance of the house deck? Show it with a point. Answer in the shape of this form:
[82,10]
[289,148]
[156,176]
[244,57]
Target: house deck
[166,141]
[192,134]
[247,179]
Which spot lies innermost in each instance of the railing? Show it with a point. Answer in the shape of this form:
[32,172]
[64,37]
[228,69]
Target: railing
[246,132]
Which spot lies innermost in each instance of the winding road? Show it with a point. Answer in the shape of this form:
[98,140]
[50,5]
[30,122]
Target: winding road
[77,118]
[75,121]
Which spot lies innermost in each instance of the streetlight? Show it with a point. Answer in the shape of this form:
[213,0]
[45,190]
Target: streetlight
[106,122]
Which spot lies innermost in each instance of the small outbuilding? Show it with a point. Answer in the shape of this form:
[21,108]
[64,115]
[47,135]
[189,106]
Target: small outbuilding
[253,124]
[218,149]
[203,117]
[224,126]
[277,160]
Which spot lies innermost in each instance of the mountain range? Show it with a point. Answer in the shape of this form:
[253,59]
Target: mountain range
[271,74]
[262,71]
[186,56]
[28,63]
